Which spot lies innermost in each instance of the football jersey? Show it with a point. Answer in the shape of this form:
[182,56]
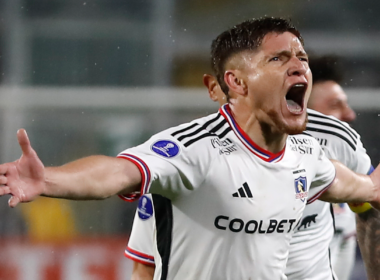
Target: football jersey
[225,209]
[309,247]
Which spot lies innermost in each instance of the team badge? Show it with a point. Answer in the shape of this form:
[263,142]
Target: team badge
[165,148]
[145,208]
[300,185]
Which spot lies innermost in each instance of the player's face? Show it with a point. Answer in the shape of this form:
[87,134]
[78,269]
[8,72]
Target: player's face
[278,80]
[214,90]
[330,99]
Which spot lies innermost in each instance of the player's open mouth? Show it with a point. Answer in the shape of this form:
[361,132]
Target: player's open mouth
[295,98]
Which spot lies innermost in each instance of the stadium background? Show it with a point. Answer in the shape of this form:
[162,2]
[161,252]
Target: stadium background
[98,76]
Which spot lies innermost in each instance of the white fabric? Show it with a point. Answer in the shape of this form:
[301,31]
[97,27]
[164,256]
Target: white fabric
[220,230]
[343,252]
[309,250]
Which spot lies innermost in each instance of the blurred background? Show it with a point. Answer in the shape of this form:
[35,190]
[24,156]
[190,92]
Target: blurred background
[99,76]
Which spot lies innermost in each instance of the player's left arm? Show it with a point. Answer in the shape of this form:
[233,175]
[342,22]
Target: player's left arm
[142,271]
[349,186]
[368,235]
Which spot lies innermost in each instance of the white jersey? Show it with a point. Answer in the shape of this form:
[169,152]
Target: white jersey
[227,208]
[309,251]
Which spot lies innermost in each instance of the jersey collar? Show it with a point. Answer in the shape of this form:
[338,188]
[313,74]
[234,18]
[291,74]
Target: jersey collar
[265,155]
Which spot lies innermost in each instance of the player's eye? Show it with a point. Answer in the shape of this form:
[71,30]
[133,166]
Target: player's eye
[304,59]
[275,58]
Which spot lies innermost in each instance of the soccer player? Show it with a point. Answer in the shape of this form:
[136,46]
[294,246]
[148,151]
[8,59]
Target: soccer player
[309,250]
[329,98]
[228,188]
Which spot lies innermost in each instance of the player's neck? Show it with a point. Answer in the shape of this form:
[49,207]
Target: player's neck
[265,135]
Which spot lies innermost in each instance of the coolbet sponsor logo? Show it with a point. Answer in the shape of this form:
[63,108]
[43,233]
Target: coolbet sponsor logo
[165,148]
[225,146]
[253,226]
[306,222]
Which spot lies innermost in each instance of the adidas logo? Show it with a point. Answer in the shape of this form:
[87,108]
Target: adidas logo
[244,191]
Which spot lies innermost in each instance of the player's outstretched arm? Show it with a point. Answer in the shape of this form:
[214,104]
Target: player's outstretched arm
[94,177]
[349,186]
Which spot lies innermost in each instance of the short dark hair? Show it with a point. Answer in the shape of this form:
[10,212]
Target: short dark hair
[326,68]
[247,35]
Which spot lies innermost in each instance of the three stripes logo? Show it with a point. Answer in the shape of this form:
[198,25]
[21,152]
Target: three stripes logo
[217,126]
[244,191]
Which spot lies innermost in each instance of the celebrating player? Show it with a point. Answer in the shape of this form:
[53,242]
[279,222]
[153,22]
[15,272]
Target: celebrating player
[309,250]
[232,185]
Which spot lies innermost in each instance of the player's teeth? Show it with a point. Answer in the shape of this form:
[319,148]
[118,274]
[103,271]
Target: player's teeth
[293,106]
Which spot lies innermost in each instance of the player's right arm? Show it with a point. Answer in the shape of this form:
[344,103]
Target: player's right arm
[94,177]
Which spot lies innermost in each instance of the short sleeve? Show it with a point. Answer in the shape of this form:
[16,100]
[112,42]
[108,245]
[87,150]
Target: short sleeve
[361,162]
[339,141]
[140,246]
[167,167]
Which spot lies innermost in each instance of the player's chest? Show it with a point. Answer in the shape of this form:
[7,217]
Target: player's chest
[247,184]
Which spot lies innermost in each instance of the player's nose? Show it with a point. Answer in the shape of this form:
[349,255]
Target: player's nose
[297,67]
[348,115]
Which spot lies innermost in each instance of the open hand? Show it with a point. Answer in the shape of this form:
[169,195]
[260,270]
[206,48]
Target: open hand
[24,178]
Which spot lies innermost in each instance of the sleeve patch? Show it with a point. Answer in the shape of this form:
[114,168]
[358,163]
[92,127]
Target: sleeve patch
[145,208]
[165,148]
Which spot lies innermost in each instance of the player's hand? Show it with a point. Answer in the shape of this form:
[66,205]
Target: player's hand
[24,178]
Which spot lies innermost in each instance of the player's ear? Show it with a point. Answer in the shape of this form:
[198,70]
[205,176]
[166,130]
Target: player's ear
[234,82]
[210,82]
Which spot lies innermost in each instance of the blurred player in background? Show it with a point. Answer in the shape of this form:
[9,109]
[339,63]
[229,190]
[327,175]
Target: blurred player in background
[329,98]
[230,187]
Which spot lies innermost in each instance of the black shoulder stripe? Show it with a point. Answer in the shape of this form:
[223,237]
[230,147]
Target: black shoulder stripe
[348,129]
[304,133]
[200,129]
[219,126]
[208,134]
[184,129]
[204,126]
[190,134]
[333,133]
[228,129]
[212,120]
[342,128]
